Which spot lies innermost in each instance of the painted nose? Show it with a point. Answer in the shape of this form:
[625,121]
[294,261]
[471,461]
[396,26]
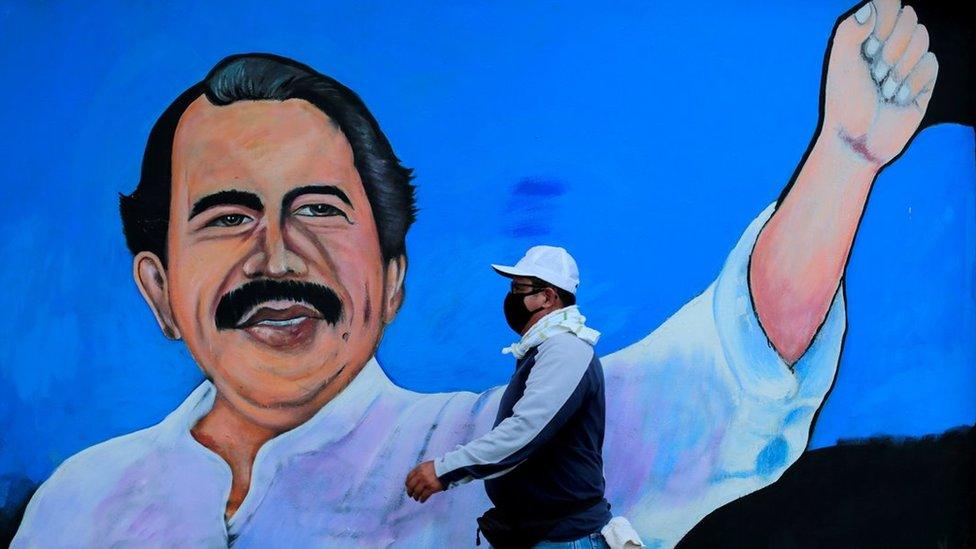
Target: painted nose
[274,258]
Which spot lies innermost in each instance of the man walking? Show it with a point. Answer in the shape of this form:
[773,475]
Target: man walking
[543,460]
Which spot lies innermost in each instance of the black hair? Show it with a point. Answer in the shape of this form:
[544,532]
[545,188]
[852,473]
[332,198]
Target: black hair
[568,298]
[564,296]
[145,212]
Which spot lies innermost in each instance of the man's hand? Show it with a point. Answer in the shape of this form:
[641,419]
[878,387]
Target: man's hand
[880,77]
[422,482]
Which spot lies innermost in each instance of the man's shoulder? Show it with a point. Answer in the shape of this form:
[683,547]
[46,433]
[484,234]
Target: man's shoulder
[569,344]
[566,354]
[86,473]
[72,494]
[118,450]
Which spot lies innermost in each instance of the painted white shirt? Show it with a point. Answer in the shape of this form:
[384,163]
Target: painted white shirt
[699,412]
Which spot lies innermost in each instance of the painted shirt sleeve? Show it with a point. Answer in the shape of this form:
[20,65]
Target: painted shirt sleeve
[555,389]
[58,513]
[703,410]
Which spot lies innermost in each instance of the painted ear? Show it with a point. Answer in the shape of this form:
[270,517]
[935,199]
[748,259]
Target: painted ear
[150,277]
[393,290]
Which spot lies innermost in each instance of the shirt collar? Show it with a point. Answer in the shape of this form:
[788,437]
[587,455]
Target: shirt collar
[329,424]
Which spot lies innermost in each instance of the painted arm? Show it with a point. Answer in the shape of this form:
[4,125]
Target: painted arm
[703,411]
[879,80]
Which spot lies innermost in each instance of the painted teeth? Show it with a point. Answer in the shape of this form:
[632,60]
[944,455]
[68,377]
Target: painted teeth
[288,322]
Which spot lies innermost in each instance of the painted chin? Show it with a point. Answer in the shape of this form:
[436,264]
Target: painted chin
[285,334]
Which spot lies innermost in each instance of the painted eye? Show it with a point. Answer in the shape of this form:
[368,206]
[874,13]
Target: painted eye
[319,210]
[229,220]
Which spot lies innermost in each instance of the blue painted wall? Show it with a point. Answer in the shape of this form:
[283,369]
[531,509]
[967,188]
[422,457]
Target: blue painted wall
[642,138]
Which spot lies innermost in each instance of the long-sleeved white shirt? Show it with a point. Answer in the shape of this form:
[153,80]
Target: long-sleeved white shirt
[699,412]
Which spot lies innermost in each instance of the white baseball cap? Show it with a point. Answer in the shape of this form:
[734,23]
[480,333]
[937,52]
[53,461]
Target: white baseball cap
[549,263]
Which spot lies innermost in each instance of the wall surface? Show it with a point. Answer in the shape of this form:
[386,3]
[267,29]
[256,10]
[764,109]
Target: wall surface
[642,138]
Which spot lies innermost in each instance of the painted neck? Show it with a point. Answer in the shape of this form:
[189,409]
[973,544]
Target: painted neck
[229,434]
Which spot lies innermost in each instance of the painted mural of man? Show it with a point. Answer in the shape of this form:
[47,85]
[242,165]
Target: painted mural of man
[268,232]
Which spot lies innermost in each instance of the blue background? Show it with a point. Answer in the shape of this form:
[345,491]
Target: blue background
[643,138]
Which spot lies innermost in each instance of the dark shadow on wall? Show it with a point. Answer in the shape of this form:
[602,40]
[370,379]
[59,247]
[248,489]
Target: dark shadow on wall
[15,491]
[880,492]
[952,38]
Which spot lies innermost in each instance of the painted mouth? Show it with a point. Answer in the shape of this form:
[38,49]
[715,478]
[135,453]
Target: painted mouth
[273,316]
[277,304]
[281,325]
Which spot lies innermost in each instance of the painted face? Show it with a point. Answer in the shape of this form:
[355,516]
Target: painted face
[275,275]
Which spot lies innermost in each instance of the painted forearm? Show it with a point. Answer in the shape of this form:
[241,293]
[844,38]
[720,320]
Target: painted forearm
[870,113]
[801,254]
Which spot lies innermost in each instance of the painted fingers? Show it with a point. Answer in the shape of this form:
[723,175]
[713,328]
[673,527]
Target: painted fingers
[897,52]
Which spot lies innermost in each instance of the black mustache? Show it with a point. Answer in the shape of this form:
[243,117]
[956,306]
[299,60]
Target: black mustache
[236,303]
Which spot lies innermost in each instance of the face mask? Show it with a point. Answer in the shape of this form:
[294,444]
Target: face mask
[516,313]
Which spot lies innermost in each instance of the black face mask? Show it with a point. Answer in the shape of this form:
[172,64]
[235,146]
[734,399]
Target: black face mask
[516,313]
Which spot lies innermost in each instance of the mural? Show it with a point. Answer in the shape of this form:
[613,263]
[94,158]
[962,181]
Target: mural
[338,305]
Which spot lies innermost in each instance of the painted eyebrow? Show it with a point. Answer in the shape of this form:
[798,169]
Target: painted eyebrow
[225,198]
[293,194]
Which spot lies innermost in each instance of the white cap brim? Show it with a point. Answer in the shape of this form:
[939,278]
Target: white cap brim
[555,280]
[509,272]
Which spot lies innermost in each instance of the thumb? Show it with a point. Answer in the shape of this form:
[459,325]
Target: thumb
[857,28]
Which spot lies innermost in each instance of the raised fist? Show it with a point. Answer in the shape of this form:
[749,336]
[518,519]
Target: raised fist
[880,78]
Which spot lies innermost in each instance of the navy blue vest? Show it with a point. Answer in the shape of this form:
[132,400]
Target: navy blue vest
[565,470]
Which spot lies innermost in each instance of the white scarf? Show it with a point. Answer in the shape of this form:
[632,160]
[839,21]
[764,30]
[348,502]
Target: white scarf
[561,321]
